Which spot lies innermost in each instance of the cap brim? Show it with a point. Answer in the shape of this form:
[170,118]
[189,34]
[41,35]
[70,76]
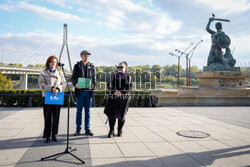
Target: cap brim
[86,54]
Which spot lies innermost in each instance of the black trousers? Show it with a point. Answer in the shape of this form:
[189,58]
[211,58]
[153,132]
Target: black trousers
[112,121]
[51,115]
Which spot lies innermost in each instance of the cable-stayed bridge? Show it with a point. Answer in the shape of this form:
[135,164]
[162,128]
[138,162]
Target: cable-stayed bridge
[23,72]
[38,56]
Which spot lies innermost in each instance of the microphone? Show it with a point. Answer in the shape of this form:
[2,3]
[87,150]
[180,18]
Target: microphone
[60,64]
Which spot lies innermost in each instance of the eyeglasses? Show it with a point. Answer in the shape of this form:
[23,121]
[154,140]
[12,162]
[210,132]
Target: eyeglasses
[53,61]
[120,67]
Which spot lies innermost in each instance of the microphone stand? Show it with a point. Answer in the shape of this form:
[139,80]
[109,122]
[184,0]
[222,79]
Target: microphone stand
[68,149]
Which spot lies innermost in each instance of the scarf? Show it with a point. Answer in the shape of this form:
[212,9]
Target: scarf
[120,76]
[52,70]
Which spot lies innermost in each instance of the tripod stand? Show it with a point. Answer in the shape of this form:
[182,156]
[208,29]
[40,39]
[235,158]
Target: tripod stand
[68,149]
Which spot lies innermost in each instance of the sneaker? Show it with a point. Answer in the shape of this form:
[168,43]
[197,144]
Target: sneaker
[77,133]
[89,133]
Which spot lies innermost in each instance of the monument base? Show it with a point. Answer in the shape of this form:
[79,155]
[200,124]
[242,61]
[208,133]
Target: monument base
[217,88]
[220,67]
[221,79]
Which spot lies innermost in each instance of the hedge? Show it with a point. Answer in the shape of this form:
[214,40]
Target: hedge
[33,98]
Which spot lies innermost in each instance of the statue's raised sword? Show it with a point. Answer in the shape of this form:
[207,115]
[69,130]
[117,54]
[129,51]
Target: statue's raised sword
[218,19]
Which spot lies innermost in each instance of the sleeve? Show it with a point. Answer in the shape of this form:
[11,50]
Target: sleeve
[128,86]
[63,83]
[111,84]
[42,84]
[74,75]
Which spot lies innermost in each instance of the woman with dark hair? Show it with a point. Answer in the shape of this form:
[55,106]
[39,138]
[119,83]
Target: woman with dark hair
[51,80]
[119,99]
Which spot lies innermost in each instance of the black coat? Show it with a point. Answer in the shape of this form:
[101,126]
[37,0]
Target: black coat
[77,72]
[121,104]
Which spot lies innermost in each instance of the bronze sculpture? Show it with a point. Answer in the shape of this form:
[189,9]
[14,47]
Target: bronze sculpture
[217,60]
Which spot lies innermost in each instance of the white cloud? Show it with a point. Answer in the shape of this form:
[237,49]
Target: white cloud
[229,6]
[6,7]
[149,34]
[48,13]
[132,18]
[34,48]
[62,3]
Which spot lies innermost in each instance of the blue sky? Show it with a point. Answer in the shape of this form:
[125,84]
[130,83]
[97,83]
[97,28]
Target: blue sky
[140,32]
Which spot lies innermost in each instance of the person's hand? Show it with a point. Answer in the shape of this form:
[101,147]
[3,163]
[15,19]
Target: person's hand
[211,19]
[118,93]
[55,91]
[92,87]
[77,86]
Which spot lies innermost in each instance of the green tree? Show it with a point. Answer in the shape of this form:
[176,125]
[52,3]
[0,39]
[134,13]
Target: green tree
[15,65]
[145,68]
[37,66]
[166,70]
[193,70]
[173,70]
[107,69]
[156,68]
[98,69]
[4,82]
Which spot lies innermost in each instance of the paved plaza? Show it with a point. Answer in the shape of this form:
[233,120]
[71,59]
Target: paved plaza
[149,138]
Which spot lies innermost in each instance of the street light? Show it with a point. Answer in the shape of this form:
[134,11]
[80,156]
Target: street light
[172,54]
[181,53]
[192,53]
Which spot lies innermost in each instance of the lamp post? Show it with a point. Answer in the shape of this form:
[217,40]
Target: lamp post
[181,53]
[189,61]
[178,82]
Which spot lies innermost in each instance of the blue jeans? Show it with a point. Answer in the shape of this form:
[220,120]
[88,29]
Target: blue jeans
[86,99]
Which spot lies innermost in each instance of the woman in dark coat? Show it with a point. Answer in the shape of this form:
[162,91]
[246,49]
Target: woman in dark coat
[119,99]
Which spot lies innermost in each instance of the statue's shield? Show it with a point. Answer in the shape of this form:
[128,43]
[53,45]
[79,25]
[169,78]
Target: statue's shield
[223,41]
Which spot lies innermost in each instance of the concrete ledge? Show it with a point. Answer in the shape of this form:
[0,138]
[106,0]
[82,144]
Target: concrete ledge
[202,100]
[193,91]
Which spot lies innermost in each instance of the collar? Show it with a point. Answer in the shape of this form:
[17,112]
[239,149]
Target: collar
[52,70]
[87,64]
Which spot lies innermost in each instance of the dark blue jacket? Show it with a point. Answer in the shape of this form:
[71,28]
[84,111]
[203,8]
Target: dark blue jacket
[77,72]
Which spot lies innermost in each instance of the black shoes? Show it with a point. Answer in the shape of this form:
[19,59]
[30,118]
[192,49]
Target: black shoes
[119,133]
[111,134]
[77,133]
[89,133]
[54,138]
[47,140]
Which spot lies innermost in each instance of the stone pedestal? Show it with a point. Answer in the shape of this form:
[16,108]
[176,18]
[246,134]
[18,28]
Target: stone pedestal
[218,88]
[221,79]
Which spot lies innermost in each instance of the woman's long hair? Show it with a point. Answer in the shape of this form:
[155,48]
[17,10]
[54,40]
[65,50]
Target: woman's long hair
[49,60]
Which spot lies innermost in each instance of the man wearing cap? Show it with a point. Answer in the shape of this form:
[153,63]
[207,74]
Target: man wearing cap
[83,69]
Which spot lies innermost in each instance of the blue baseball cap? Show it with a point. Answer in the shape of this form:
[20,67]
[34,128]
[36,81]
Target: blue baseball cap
[85,52]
